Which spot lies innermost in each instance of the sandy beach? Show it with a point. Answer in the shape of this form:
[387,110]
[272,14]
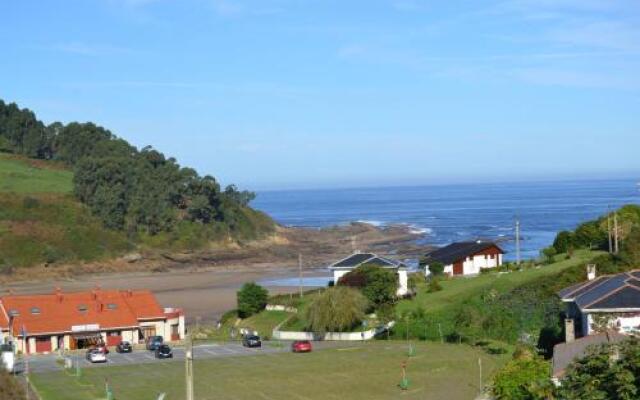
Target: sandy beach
[205,293]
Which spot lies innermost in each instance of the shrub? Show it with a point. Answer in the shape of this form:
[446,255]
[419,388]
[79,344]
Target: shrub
[30,202]
[379,285]
[522,379]
[336,309]
[608,371]
[252,298]
[434,286]
[231,314]
[436,268]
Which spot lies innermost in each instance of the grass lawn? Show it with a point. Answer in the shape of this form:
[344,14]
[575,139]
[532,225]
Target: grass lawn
[20,176]
[459,289]
[371,371]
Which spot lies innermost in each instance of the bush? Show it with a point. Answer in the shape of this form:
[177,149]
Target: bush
[231,314]
[378,285]
[434,285]
[336,309]
[436,268]
[609,371]
[522,379]
[252,298]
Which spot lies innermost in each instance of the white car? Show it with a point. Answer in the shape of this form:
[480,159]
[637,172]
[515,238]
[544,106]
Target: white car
[96,356]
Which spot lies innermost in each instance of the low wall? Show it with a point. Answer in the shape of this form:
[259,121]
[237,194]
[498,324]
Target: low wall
[278,307]
[337,336]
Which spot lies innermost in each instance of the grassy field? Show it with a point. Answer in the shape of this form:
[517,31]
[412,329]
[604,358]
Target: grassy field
[25,176]
[498,306]
[371,371]
[457,290]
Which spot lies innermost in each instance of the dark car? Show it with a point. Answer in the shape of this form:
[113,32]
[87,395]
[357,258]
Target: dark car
[164,351]
[251,341]
[153,342]
[301,346]
[124,347]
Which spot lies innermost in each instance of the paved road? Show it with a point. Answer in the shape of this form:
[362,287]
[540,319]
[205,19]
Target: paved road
[46,363]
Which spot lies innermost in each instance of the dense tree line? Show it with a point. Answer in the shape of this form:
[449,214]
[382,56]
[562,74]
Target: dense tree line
[594,234]
[129,189]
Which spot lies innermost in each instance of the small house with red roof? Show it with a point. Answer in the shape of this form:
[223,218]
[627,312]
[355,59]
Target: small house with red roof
[465,258]
[76,320]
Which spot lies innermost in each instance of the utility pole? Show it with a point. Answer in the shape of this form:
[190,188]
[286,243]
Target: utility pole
[480,367]
[517,241]
[300,272]
[609,230]
[188,358]
[615,232]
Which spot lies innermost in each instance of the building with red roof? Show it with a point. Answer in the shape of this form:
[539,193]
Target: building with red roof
[76,320]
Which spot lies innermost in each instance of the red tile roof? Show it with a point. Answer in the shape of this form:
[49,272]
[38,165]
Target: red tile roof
[63,312]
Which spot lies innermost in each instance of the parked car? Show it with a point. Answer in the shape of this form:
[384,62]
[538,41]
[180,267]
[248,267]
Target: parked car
[164,351]
[251,341]
[153,342]
[96,356]
[124,347]
[101,347]
[301,346]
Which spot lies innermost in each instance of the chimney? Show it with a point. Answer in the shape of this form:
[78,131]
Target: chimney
[569,330]
[591,272]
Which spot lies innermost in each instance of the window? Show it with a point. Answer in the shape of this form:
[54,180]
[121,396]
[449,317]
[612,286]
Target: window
[82,307]
[35,310]
[14,313]
[112,306]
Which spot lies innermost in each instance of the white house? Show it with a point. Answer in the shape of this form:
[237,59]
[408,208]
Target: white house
[348,264]
[611,301]
[465,258]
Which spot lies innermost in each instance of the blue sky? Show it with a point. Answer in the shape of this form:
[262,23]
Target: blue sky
[294,93]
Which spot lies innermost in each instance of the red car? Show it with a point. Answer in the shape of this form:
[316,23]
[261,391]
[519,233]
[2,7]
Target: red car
[301,346]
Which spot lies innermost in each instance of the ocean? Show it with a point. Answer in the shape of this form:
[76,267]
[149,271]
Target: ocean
[446,213]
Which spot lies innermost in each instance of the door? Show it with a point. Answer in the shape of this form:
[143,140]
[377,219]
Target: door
[457,268]
[114,338]
[175,334]
[43,344]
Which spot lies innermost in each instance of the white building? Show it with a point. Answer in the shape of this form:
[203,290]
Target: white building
[609,301]
[76,320]
[348,264]
[465,258]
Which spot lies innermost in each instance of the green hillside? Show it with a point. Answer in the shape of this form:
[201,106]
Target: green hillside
[41,222]
[20,175]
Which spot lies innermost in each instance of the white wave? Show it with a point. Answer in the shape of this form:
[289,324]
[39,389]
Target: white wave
[419,230]
[371,222]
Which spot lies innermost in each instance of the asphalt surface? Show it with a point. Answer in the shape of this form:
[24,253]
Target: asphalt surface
[50,362]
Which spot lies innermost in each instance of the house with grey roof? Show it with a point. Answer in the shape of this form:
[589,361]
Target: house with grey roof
[465,258]
[348,264]
[605,302]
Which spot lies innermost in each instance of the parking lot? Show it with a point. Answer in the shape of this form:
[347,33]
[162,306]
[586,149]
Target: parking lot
[52,362]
